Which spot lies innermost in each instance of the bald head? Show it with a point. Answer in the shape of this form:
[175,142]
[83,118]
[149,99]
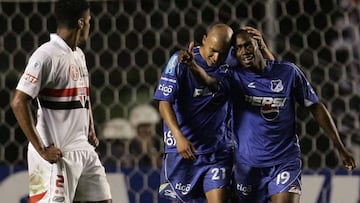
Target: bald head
[216,44]
[220,31]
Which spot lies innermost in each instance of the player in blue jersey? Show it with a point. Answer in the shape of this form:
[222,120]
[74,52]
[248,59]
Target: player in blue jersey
[198,161]
[264,94]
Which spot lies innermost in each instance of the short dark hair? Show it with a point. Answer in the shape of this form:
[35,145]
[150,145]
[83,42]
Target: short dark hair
[68,12]
[238,32]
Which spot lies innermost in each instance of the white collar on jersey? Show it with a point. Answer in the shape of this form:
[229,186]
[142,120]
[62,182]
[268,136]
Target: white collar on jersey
[58,40]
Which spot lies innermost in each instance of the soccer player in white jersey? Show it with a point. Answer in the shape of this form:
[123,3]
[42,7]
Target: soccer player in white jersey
[62,162]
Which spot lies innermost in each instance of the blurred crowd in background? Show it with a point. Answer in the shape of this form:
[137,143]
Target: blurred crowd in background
[133,141]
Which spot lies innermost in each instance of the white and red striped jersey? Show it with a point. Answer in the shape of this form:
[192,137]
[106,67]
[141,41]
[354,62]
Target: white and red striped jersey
[58,77]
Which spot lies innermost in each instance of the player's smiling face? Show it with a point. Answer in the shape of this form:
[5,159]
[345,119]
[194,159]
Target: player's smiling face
[246,50]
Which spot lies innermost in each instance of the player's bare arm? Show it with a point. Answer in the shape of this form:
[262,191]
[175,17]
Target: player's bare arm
[93,140]
[257,35]
[185,148]
[187,57]
[326,122]
[20,105]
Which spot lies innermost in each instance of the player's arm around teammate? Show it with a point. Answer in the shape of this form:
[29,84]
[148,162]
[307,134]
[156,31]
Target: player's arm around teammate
[187,57]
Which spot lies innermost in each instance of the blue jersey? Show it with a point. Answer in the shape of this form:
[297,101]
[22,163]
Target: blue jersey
[200,112]
[263,114]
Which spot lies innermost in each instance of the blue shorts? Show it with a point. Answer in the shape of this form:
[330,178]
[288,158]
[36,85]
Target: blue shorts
[257,185]
[183,180]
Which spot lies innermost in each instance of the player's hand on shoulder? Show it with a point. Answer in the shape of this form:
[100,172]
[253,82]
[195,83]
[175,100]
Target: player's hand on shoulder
[187,56]
[51,154]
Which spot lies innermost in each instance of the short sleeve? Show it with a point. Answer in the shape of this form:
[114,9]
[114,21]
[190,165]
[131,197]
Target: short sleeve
[36,74]
[304,92]
[168,85]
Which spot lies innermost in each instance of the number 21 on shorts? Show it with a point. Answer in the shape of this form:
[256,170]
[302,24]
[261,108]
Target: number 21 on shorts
[218,173]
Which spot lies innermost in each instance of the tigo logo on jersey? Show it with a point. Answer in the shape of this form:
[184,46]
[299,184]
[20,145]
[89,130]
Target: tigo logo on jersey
[170,68]
[166,90]
[169,138]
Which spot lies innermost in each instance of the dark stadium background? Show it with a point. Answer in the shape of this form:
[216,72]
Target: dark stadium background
[131,40]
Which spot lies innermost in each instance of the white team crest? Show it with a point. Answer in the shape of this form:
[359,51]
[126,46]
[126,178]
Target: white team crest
[276,85]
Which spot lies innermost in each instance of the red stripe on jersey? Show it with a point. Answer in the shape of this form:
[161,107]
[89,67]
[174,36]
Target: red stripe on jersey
[63,92]
[36,198]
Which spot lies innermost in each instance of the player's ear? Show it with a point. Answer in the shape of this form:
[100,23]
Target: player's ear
[81,23]
[204,39]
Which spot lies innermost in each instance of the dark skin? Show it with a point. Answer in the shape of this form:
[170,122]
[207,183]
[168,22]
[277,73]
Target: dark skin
[249,51]
[323,117]
[20,105]
[250,58]
[21,102]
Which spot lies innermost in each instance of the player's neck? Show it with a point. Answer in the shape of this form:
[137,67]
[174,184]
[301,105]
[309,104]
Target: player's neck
[70,36]
[260,66]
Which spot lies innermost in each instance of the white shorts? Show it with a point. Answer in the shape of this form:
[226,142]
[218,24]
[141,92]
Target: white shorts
[77,176]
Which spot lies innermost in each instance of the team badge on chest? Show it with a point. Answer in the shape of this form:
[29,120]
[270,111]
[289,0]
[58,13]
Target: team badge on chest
[276,85]
[74,72]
